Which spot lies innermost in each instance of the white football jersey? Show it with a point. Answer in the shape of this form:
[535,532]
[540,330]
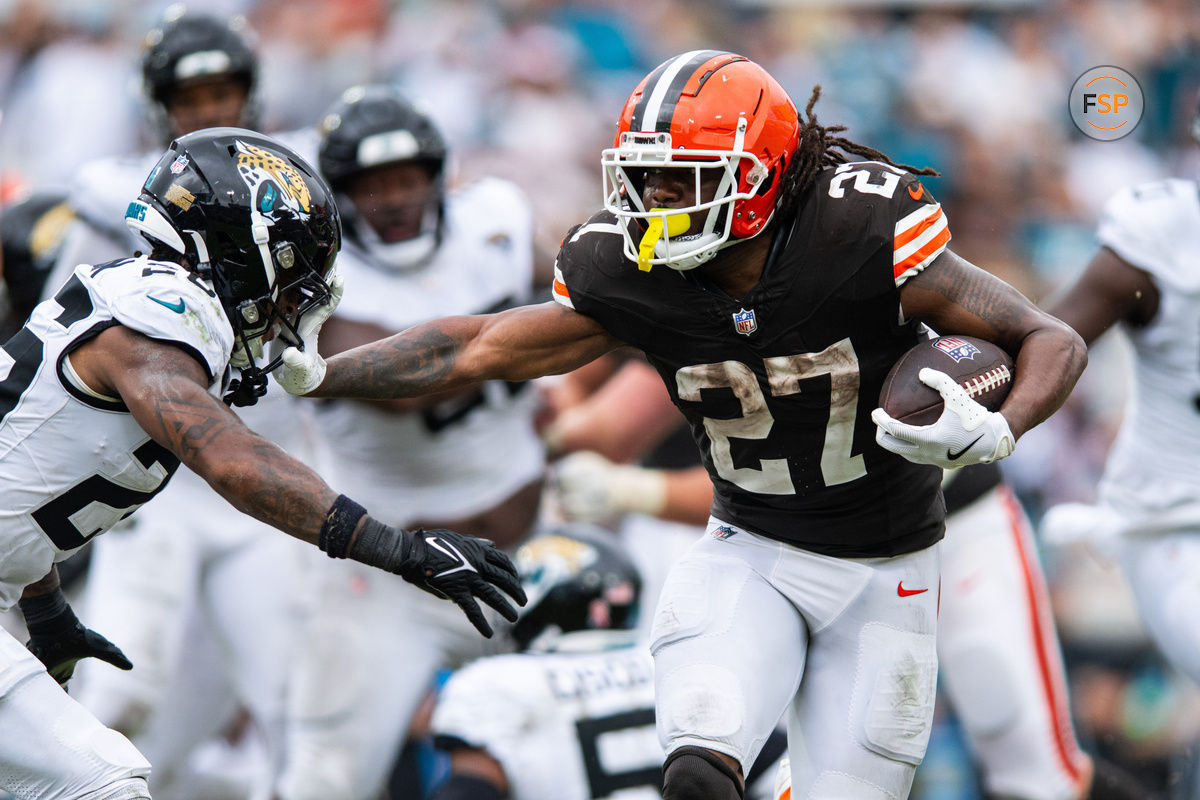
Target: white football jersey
[468,454]
[1152,466]
[572,726]
[72,463]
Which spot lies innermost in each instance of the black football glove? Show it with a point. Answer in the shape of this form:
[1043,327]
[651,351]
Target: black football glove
[450,565]
[59,640]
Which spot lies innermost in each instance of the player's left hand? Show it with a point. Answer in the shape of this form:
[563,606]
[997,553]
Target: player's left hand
[303,369]
[966,433]
[61,642]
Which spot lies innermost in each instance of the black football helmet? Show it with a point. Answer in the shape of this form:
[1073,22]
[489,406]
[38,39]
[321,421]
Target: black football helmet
[192,45]
[255,220]
[577,578]
[372,126]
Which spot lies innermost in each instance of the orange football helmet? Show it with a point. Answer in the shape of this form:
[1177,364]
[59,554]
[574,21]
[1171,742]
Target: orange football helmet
[705,110]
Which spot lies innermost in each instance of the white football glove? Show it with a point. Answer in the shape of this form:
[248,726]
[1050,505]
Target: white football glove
[303,370]
[966,433]
[587,487]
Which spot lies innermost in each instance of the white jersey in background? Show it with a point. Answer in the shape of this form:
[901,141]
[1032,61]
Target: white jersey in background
[1153,464]
[469,453]
[572,726]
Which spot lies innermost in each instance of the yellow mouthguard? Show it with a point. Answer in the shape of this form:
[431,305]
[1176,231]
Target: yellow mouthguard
[677,223]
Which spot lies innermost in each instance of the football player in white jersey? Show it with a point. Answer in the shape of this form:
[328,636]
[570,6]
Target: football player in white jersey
[171,584]
[1145,279]
[571,715]
[118,379]
[472,459]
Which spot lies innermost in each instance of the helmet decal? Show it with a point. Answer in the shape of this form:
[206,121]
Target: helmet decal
[665,85]
[257,222]
[578,579]
[258,167]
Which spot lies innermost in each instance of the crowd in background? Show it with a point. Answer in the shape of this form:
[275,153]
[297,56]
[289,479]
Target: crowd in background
[530,90]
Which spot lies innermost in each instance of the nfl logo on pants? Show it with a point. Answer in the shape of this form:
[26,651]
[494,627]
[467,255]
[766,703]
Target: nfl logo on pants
[744,322]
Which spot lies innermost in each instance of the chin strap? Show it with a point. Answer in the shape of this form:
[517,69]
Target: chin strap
[246,390]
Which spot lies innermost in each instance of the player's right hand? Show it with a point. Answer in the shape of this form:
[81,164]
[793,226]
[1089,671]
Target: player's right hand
[303,369]
[966,433]
[462,568]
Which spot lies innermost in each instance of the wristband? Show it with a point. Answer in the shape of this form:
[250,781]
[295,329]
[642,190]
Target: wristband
[339,525]
[47,612]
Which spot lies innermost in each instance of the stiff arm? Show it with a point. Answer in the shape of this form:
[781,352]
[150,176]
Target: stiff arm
[519,344]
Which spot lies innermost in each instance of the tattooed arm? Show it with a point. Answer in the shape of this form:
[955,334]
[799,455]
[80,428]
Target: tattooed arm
[954,296]
[165,390]
[515,345]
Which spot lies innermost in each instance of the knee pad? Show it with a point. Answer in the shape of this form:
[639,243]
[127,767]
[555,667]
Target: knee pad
[694,773]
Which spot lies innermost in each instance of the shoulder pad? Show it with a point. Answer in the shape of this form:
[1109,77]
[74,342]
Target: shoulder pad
[164,301]
[1156,227]
[877,202]
[495,203]
[488,700]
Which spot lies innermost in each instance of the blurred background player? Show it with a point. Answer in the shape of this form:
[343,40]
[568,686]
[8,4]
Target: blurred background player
[535,724]
[545,721]
[1145,279]
[416,248]
[190,594]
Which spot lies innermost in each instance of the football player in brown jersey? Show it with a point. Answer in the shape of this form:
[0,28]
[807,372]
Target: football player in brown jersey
[772,273]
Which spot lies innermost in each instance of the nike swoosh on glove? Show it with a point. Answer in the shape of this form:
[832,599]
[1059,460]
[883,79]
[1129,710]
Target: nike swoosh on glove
[302,368]
[966,433]
[461,568]
[449,565]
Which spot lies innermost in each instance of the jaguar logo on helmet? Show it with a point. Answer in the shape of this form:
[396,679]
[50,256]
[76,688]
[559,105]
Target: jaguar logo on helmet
[258,167]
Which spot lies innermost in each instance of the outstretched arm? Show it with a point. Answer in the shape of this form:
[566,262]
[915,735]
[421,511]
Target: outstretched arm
[515,345]
[165,390]
[954,296]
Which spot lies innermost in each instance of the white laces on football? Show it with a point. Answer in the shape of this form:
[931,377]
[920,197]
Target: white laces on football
[966,433]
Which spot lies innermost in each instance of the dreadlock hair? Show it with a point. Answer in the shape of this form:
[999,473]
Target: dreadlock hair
[815,152]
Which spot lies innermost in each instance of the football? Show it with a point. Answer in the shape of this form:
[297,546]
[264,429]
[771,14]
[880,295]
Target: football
[979,366]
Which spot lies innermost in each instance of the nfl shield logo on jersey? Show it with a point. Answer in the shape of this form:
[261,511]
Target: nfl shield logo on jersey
[744,322]
[956,348]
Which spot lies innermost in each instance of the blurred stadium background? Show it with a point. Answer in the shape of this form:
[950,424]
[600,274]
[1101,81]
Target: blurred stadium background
[530,89]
